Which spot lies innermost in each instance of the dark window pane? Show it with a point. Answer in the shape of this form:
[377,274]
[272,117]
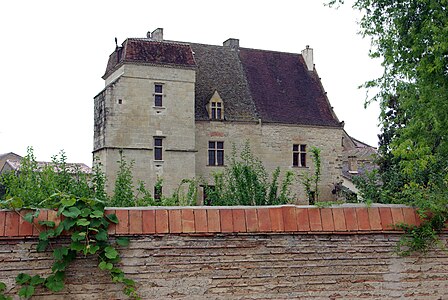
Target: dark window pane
[220,145]
[218,114]
[211,157]
[302,148]
[213,113]
[218,104]
[295,159]
[158,153]
[158,88]
[303,159]
[295,147]
[157,142]
[211,145]
[158,100]
[220,158]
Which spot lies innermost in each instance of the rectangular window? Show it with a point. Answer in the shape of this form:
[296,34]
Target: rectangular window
[157,192]
[158,94]
[208,192]
[215,153]
[216,110]
[299,155]
[158,148]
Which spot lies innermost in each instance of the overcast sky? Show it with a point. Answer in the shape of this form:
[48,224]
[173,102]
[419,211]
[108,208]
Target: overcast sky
[54,53]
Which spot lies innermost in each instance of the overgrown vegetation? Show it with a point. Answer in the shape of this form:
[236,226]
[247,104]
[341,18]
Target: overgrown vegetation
[310,182]
[410,38]
[245,181]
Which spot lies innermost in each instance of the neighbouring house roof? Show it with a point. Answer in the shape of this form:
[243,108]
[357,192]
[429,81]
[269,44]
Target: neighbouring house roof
[254,84]
[72,168]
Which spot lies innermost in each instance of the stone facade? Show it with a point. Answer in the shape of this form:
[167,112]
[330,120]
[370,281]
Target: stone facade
[189,77]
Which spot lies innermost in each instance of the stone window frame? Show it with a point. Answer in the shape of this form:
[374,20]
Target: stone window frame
[158,148]
[299,155]
[215,157]
[215,103]
[158,94]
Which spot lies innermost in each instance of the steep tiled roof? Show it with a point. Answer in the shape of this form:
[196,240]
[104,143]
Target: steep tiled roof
[254,84]
[41,165]
[151,52]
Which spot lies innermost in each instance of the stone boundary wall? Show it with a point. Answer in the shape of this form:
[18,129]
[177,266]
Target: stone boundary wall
[278,252]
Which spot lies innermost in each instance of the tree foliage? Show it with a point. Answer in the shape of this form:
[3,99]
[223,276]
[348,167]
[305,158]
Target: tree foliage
[410,36]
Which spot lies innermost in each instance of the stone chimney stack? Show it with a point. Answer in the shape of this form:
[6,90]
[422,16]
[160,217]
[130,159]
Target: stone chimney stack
[156,35]
[232,43]
[307,54]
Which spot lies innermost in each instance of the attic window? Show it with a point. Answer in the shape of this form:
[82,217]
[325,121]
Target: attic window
[215,107]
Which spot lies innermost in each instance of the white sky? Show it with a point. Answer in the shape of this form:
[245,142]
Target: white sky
[53,54]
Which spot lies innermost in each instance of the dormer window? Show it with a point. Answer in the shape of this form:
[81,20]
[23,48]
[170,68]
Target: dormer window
[215,107]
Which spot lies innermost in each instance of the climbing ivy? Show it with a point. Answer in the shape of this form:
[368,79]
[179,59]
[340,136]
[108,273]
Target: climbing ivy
[86,222]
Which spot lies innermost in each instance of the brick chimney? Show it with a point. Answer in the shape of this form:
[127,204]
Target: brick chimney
[156,35]
[232,43]
[307,55]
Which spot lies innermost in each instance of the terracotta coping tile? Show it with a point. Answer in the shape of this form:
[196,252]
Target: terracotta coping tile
[363,218]
[123,221]
[52,215]
[397,215]
[2,222]
[112,226]
[374,218]
[214,220]
[339,219]
[315,219]
[239,220]
[37,228]
[25,228]
[162,221]
[149,221]
[175,217]
[327,219]
[418,219]
[386,218]
[409,216]
[264,220]
[351,219]
[187,220]
[12,223]
[226,218]
[289,218]
[276,215]
[303,220]
[251,220]
[135,222]
[200,220]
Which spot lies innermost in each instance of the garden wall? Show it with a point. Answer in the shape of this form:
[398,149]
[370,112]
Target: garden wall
[284,252]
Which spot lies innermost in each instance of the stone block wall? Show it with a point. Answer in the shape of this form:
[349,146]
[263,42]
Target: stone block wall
[282,252]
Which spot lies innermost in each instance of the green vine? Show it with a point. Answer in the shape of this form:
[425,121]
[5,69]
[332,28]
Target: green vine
[87,224]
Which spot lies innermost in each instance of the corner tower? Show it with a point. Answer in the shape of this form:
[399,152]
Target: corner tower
[146,111]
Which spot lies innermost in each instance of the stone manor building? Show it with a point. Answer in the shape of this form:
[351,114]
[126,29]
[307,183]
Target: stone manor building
[176,109]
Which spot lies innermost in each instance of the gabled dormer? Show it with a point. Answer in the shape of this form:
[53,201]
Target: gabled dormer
[215,107]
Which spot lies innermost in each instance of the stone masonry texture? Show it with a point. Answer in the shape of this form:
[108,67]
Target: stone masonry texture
[281,252]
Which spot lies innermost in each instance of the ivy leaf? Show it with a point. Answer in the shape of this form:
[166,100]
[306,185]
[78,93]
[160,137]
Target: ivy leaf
[78,236]
[113,218]
[59,253]
[50,224]
[59,230]
[77,246]
[105,266]
[72,212]
[97,214]
[101,235]
[68,224]
[123,241]
[68,201]
[129,282]
[26,291]
[36,280]
[83,222]
[23,278]
[44,235]
[2,287]
[94,249]
[59,266]
[29,217]
[54,284]
[42,245]
[96,223]
[110,252]
[85,212]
